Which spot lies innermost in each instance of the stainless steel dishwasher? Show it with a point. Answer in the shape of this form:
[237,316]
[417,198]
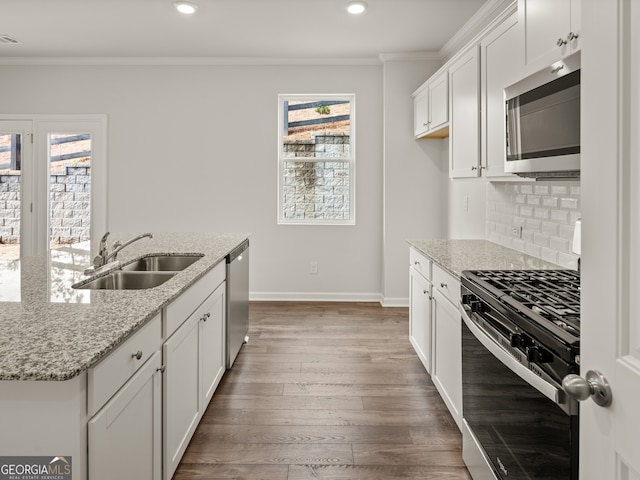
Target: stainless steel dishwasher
[237,325]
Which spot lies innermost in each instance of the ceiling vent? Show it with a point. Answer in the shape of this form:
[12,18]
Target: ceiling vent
[7,40]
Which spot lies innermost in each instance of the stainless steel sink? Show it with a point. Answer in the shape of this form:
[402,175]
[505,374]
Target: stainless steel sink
[121,280]
[162,263]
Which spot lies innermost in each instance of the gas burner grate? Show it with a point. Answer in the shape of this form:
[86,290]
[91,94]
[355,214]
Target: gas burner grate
[551,294]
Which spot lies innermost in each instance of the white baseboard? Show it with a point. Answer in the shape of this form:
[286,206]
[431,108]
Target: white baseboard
[327,297]
[395,302]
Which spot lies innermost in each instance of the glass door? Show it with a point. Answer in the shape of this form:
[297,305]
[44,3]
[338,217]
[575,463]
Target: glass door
[52,184]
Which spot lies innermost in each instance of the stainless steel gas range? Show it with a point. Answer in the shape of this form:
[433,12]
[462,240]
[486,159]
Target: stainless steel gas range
[520,338]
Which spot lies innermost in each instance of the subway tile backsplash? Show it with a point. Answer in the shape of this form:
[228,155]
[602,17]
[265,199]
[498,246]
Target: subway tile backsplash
[536,218]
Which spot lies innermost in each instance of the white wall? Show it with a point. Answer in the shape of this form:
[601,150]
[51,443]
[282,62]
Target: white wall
[414,202]
[466,202]
[211,132]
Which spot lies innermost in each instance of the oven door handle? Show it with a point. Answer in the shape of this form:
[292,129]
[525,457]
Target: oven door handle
[554,394]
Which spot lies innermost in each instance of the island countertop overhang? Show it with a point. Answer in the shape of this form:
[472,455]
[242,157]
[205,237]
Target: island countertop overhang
[52,332]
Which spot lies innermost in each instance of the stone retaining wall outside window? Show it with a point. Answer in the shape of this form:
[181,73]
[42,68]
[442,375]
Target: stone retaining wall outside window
[70,205]
[318,189]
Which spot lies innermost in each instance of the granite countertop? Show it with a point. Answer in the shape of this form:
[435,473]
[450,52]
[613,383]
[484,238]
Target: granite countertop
[455,256]
[50,331]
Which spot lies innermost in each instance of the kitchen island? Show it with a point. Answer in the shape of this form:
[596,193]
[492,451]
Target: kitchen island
[65,362]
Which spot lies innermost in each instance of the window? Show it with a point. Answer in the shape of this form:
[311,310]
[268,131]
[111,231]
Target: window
[316,159]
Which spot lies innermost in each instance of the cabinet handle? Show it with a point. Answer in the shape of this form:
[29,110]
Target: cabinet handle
[416,262]
[571,36]
[561,42]
[557,69]
[161,369]
[205,316]
[137,355]
[474,168]
[424,291]
[443,285]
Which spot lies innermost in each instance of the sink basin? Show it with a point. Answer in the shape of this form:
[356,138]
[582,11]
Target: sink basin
[162,263]
[120,280]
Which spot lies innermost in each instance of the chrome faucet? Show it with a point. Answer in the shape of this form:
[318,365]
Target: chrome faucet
[105,257]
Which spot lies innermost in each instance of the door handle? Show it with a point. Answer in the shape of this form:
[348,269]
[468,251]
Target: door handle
[595,386]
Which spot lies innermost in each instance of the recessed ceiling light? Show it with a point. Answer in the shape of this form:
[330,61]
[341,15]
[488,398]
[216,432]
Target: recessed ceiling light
[356,8]
[187,8]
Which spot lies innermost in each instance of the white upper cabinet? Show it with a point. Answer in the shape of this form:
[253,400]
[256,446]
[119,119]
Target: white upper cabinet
[431,107]
[550,30]
[464,138]
[502,64]
[420,112]
[438,89]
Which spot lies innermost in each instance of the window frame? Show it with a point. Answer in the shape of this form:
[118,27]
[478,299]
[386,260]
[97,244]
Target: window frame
[350,160]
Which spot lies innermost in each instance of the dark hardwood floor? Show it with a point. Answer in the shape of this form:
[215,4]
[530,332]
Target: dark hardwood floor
[326,391]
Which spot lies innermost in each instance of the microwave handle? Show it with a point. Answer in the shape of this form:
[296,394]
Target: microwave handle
[554,394]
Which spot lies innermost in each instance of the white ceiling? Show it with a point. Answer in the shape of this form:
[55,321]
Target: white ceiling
[310,29]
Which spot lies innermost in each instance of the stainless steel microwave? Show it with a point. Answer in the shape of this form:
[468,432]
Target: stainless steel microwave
[543,122]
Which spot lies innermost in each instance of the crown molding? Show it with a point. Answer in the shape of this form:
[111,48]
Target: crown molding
[486,15]
[185,61]
[409,57]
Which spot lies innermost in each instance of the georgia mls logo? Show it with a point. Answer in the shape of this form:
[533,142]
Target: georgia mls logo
[35,468]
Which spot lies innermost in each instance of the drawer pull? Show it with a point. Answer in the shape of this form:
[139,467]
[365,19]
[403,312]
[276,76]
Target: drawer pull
[205,316]
[416,262]
[137,355]
[443,285]
[424,291]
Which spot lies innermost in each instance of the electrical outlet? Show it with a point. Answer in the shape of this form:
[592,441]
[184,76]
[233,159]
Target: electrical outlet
[313,268]
[516,231]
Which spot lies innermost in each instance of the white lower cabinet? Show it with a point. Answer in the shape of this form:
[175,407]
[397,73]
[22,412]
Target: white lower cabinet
[435,328]
[195,362]
[420,316]
[125,435]
[212,344]
[181,399]
[447,364]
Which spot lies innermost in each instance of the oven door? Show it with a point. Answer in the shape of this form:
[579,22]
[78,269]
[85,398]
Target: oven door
[512,429]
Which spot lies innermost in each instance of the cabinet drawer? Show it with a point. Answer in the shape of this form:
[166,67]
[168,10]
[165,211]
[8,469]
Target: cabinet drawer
[420,263]
[183,306]
[446,284]
[106,378]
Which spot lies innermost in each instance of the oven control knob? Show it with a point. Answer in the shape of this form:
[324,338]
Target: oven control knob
[538,355]
[477,306]
[515,340]
[467,298]
[519,340]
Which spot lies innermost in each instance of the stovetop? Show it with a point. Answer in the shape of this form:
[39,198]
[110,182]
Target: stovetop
[551,298]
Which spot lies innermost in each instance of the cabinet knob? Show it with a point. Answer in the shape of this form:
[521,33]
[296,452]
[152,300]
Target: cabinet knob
[416,262]
[571,36]
[474,168]
[161,369]
[137,355]
[424,291]
[561,42]
[443,285]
